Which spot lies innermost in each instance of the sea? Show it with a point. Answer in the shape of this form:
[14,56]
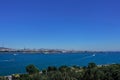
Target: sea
[12,63]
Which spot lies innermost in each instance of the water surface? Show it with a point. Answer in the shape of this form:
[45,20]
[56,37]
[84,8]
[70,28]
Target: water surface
[11,63]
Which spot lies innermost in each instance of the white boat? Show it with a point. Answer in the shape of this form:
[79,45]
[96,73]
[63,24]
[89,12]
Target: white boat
[14,54]
[93,55]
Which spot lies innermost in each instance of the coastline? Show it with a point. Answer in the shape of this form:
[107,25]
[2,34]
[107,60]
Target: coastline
[99,65]
[74,67]
[76,52]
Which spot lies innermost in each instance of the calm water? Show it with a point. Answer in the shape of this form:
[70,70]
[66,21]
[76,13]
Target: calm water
[15,63]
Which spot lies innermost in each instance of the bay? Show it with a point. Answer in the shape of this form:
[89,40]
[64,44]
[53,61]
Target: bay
[11,63]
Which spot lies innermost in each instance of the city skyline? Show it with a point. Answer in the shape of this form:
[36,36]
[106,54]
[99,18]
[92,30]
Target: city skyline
[65,24]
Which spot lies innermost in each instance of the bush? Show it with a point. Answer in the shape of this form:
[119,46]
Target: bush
[31,69]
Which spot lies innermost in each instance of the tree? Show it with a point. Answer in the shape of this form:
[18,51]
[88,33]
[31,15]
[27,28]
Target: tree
[64,68]
[31,69]
[51,68]
[92,65]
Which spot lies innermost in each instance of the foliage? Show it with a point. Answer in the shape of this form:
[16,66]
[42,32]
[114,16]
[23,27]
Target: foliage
[3,78]
[31,69]
[90,72]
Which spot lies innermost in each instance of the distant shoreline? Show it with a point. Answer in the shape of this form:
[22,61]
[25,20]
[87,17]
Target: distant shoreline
[48,51]
[76,52]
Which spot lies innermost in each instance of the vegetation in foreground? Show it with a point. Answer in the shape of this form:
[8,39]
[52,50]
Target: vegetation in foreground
[90,72]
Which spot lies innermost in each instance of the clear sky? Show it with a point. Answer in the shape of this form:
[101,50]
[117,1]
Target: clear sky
[61,24]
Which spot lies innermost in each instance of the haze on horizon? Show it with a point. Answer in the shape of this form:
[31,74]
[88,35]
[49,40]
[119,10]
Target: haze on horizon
[60,24]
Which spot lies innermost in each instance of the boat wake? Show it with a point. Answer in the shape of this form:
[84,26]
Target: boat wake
[10,60]
[89,56]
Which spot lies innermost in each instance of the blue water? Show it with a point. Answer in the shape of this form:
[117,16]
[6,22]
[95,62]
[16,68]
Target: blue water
[15,63]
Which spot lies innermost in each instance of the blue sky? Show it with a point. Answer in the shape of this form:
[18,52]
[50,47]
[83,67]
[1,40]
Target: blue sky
[61,24]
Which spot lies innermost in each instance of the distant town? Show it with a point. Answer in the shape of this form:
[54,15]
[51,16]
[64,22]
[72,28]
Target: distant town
[42,50]
[46,51]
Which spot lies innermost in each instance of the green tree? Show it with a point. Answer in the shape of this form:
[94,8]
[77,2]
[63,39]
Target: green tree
[64,68]
[31,69]
[92,65]
[51,68]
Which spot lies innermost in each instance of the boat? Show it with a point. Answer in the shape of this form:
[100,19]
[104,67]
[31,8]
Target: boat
[93,55]
[14,54]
